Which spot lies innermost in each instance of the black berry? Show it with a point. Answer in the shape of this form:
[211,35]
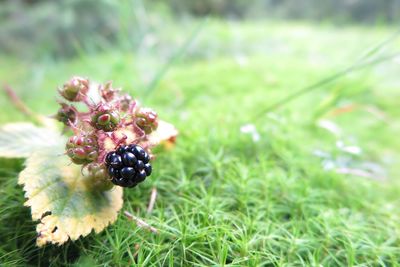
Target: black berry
[139,165]
[128,173]
[138,151]
[129,159]
[121,150]
[141,176]
[110,156]
[114,172]
[116,162]
[148,169]
[128,165]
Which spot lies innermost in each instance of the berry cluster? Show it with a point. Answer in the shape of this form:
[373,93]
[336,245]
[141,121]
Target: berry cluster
[75,90]
[128,165]
[100,118]
[82,149]
[105,118]
[146,119]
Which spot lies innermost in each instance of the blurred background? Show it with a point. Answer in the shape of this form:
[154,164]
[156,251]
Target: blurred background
[63,28]
[157,33]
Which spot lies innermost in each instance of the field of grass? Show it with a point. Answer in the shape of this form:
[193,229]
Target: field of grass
[316,182]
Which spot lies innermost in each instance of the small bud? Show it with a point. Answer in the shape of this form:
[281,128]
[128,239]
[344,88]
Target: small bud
[92,155]
[146,119]
[66,114]
[82,149]
[108,93]
[105,118]
[75,89]
[125,102]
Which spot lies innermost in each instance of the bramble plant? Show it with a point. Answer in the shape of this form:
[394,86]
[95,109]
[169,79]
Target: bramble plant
[102,129]
[74,185]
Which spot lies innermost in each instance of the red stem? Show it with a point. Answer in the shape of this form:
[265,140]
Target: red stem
[14,98]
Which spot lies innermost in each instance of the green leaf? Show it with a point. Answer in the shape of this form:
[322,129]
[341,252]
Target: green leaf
[66,206]
[19,140]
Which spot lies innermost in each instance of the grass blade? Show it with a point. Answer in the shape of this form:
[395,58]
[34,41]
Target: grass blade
[360,64]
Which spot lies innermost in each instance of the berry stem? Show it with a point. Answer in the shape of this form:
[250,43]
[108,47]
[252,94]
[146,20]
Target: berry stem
[89,102]
[140,223]
[21,106]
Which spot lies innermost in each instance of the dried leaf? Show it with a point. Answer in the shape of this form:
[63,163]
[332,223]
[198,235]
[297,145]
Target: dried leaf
[66,207]
[19,140]
[128,134]
[166,133]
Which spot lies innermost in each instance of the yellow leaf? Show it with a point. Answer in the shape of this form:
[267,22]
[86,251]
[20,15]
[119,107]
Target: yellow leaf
[66,207]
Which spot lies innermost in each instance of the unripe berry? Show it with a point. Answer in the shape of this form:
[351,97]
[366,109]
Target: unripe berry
[82,149]
[105,119]
[146,119]
[97,178]
[108,93]
[75,89]
[66,114]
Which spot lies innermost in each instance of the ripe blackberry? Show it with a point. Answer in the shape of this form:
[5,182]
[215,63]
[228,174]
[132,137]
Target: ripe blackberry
[128,165]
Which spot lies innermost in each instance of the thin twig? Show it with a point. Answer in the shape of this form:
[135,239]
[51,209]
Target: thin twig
[20,105]
[16,101]
[152,201]
[140,222]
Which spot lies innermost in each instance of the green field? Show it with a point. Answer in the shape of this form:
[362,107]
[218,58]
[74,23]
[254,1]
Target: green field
[320,187]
